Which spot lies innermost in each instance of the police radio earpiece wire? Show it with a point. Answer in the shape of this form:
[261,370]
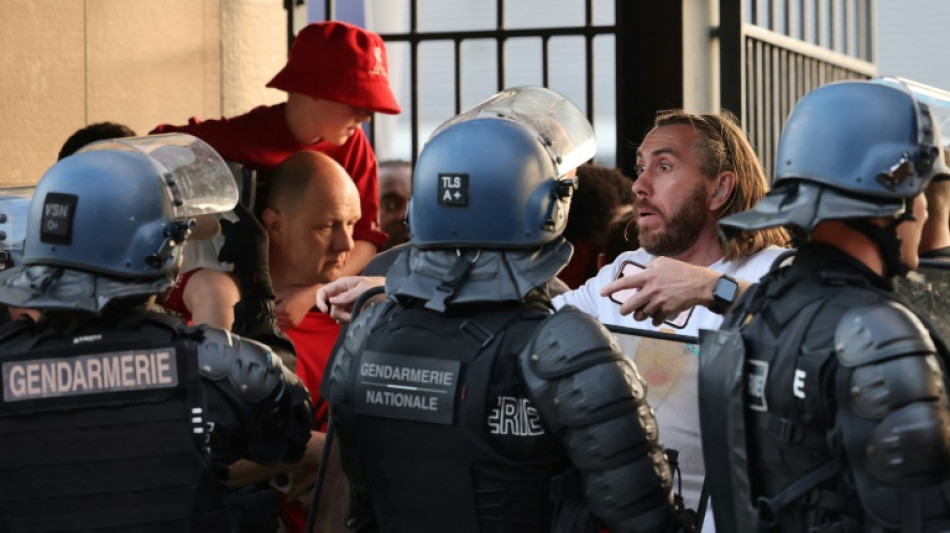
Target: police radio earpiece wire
[328,440]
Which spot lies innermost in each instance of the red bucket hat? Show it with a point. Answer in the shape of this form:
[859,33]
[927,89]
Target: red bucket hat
[339,62]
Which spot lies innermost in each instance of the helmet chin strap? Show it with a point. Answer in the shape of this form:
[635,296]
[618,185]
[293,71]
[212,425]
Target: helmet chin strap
[886,240]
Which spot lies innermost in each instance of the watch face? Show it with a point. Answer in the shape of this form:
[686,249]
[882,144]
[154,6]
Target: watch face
[726,290]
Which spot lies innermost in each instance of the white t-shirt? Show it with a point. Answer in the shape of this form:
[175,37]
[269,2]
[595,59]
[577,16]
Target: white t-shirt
[669,370]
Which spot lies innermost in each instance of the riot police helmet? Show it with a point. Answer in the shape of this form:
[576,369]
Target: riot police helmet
[14,206]
[500,176]
[110,221]
[850,150]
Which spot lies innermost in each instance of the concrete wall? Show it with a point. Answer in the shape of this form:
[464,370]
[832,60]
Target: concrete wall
[69,63]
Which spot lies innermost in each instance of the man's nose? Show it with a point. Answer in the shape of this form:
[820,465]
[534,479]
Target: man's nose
[343,242]
[642,185]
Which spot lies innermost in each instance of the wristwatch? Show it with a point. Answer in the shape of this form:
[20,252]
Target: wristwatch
[725,292]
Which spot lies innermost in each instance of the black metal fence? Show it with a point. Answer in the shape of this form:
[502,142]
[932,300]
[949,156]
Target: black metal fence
[775,51]
[772,52]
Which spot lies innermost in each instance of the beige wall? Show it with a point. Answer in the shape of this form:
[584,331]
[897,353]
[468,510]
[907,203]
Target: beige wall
[69,63]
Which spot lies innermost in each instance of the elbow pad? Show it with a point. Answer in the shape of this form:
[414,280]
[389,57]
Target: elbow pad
[893,414]
[590,394]
[274,406]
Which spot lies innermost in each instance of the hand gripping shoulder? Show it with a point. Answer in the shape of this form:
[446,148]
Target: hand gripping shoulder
[590,394]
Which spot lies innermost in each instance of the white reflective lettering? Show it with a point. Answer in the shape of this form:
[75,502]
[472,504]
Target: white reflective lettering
[88,374]
[127,371]
[17,383]
[111,373]
[141,369]
[33,379]
[79,377]
[798,385]
[94,369]
[164,369]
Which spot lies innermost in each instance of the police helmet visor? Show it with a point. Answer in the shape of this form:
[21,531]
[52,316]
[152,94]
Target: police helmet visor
[196,178]
[804,204]
[567,133]
[937,101]
[14,212]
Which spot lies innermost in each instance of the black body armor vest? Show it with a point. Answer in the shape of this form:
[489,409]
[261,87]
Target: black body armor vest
[447,434]
[770,384]
[105,435]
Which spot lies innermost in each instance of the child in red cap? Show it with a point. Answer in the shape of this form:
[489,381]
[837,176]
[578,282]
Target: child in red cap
[335,78]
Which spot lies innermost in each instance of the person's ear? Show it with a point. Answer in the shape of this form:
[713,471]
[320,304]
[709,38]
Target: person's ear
[272,220]
[725,183]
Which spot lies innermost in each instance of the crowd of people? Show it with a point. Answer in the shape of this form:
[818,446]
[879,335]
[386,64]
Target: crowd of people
[478,390]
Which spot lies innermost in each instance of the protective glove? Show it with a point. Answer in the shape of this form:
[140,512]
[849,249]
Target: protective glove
[253,510]
[246,246]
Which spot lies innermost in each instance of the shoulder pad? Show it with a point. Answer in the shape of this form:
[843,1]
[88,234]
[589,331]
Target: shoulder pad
[251,367]
[568,341]
[360,328]
[577,374]
[879,331]
[356,335]
[14,328]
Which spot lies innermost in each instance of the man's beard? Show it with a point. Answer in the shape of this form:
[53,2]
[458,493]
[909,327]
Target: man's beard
[680,231]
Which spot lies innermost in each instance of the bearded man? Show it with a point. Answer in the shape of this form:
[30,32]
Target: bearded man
[692,170]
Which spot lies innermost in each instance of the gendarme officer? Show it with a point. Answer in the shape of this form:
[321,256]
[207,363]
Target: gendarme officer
[114,417]
[463,404]
[823,398]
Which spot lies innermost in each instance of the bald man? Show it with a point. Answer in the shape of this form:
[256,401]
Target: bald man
[311,211]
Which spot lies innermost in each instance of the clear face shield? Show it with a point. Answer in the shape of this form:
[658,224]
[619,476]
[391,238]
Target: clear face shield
[14,211]
[567,133]
[196,179]
[198,182]
[937,102]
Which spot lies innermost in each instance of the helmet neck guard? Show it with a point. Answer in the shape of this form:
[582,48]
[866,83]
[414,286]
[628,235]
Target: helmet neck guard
[444,277]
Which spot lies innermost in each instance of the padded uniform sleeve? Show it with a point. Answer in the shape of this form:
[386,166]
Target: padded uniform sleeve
[272,406]
[893,415]
[591,395]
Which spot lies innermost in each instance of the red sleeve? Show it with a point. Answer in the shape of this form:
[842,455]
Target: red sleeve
[175,298]
[259,138]
[360,163]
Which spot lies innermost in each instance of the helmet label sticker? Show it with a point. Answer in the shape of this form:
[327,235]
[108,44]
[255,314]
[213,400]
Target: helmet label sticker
[453,189]
[56,225]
